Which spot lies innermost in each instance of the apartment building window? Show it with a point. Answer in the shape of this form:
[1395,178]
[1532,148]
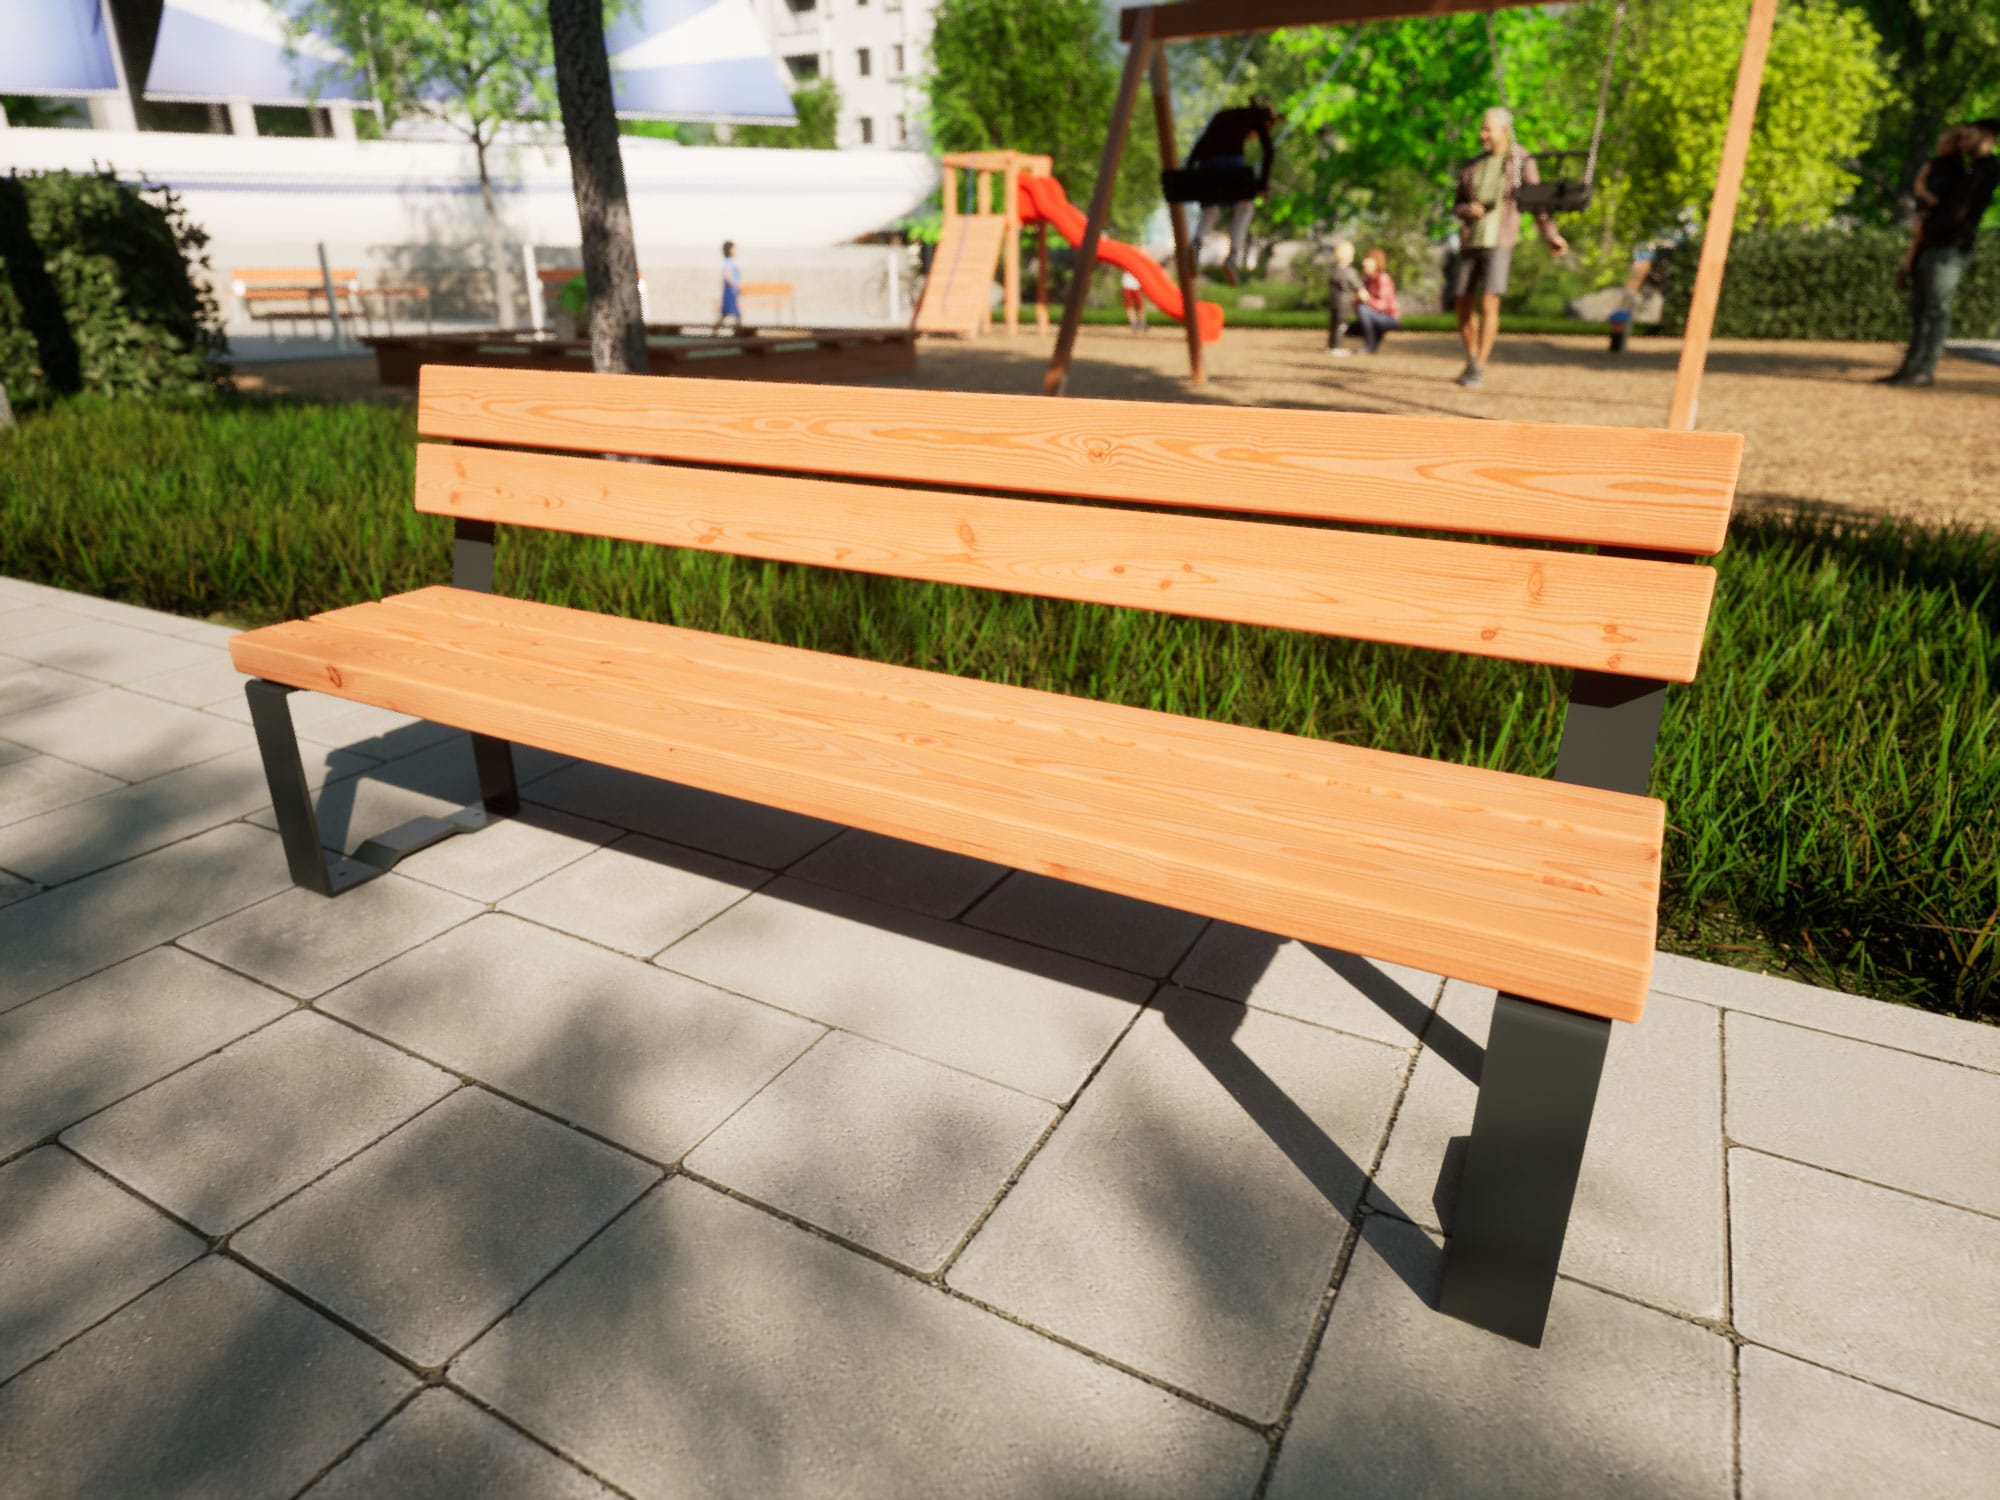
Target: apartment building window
[867,130]
[902,130]
[896,61]
[797,7]
[861,62]
[804,66]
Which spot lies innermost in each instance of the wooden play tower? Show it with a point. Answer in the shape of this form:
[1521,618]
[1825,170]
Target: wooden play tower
[957,297]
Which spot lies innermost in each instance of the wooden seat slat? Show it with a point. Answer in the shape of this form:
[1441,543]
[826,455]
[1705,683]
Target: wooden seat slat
[1397,785]
[1623,615]
[1451,812]
[1630,487]
[1549,926]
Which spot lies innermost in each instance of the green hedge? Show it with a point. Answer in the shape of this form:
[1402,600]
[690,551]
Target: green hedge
[1824,284]
[97,292]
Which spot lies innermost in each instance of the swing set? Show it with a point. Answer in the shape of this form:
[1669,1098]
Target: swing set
[1147,29]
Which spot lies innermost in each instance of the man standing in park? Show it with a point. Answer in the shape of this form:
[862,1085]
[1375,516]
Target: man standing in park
[1959,189]
[1489,216]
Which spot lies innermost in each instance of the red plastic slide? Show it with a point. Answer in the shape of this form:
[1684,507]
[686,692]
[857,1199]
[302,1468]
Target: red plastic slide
[1043,200]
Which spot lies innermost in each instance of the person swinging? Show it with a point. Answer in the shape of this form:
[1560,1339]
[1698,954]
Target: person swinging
[1219,175]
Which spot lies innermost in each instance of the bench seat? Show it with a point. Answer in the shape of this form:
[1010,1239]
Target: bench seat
[1545,889]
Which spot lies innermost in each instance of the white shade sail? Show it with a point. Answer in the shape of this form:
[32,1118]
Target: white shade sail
[57,49]
[212,51]
[695,60]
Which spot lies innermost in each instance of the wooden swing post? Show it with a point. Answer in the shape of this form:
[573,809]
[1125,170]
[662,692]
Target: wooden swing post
[1100,201]
[1184,251]
[1721,217]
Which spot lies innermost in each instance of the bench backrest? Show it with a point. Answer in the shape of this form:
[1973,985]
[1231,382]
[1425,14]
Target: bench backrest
[807,467]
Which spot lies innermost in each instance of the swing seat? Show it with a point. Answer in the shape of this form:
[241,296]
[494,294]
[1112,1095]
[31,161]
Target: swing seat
[1560,196]
[1205,184]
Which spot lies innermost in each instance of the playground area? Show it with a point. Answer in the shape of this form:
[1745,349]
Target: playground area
[1805,409]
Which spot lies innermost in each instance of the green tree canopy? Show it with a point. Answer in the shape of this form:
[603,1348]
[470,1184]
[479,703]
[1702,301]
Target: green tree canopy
[1040,76]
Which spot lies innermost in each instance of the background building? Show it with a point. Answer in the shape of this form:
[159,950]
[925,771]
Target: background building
[873,50]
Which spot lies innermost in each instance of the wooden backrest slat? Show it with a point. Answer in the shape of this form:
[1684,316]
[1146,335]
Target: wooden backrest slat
[1623,615]
[1630,487]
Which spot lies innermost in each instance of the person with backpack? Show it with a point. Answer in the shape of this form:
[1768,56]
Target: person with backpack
[1956,187]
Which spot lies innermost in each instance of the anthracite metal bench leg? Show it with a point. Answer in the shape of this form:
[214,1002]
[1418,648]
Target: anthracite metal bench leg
[311,865]
[1537,1089]
[298,826]
[497,789]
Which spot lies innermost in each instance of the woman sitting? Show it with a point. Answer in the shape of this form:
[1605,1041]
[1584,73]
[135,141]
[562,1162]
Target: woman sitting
[1377,303]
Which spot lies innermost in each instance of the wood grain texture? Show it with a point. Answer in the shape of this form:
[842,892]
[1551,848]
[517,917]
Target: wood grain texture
[1640,618]
[1548,890]
[1636,487]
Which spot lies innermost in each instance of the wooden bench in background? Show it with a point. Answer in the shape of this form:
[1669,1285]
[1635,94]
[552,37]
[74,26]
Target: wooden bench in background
[266,295]
[777,296]
[1545,889]
[807,356]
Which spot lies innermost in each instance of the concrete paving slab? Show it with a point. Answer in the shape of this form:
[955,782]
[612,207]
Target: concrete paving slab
[73,1249]
[128,821]
[1185,1217]
[442,1447]
[638,895]
[1900,1120]
[24,686]
[1020,1016]
[200,686]
[33,783]
[1401,1401]
[305,944]
[698,1338]
[735,829]
[1865,1020]
[93,923]
[342,720]
[1369,997]
[888,1150]
[125,734]
[223,1140]
[11,752]
[213,1384]
[1138,935]
[508,854]
[1812,1434]
[1874,1283]
[24,622]
[71,1053]
[896,872]
[209,632]
[1648,1220]
[428,1236]
[13,888]
[644,1058]
[137,616]
[108,651]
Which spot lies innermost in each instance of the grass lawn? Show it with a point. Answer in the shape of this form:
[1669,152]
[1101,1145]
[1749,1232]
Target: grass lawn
[1832,779]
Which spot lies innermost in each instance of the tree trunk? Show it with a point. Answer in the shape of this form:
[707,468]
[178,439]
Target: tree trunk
[496,242]
[597,171]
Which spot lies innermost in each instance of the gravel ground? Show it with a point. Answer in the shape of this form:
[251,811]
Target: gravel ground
[1816,431]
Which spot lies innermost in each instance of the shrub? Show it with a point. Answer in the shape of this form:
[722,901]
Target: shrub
[97,291]
[1824,284]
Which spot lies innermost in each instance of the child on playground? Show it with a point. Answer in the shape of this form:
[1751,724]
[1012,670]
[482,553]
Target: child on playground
[732,283]
[1135,307]
[1343,296]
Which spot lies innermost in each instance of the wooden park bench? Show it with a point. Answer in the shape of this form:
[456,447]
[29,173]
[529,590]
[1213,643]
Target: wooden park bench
[268,294]
[1545,889]
[778,298]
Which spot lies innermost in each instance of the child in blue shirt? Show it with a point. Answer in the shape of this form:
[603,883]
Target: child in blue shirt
[732,280]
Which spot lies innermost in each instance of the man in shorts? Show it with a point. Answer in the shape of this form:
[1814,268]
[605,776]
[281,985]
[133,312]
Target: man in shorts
[1490,226]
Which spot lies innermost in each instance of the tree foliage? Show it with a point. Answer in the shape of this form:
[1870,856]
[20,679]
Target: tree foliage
[817,105]
[1040,76]
[1943,60]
